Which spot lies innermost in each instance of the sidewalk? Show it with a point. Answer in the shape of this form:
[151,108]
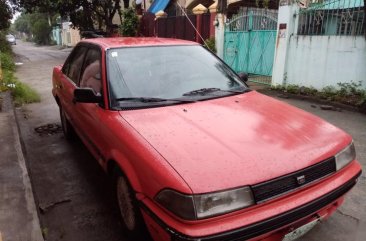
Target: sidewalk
[18,216]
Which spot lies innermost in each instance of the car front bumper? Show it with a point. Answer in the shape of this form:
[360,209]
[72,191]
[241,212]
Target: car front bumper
[272,228]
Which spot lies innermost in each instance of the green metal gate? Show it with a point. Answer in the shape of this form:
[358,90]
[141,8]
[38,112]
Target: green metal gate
[249,45]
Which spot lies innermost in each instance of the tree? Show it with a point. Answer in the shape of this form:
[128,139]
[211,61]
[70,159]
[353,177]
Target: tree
[35,24]
[22,24]
[41,31]
[130,23]
[84,14]
[92,11]
[6,14]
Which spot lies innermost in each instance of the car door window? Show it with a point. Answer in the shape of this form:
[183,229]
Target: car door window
[72,67]
[91,73]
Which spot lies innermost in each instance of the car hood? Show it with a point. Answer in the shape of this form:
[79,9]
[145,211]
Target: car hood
[238,140]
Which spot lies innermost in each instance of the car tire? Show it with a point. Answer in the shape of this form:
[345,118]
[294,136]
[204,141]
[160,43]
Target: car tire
[131,217]
[67,128]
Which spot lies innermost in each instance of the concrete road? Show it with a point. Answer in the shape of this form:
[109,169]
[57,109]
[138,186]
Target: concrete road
[74,193]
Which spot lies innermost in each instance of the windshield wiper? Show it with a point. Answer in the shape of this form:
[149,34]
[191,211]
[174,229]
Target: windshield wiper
[204,91]
[152,99]
[201,91]
[236,91]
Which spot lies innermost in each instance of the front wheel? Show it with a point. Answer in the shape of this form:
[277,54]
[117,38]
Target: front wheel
[132,221]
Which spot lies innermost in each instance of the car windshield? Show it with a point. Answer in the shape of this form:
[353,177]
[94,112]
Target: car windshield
[145,76]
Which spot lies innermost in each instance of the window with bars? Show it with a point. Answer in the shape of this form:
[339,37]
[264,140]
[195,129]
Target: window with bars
[333,17]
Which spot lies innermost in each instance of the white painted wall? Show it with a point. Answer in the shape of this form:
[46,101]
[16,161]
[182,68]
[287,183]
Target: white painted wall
[285,16]
[316,61]
[219,35]
[320,61]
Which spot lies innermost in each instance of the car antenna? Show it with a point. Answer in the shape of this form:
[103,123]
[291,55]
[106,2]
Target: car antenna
[185,14]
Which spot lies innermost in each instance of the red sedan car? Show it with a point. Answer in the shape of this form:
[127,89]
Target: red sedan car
[196,155]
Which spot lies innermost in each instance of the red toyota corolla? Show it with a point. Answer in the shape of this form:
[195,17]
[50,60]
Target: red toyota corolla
[196,155]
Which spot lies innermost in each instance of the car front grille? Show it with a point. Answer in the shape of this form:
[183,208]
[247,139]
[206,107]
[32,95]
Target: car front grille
[276,222]
[276,187]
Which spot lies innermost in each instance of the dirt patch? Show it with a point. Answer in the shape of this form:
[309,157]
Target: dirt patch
[48,130]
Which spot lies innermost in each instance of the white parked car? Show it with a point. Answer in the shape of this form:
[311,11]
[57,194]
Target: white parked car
[11,39]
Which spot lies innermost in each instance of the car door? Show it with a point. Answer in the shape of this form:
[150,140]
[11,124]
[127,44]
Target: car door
[90,114]
[69,81]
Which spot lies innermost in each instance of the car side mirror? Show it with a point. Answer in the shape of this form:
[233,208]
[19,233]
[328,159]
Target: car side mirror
[243,76]
[86,95]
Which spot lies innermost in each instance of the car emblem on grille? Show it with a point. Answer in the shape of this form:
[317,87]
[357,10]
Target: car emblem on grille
[301,179]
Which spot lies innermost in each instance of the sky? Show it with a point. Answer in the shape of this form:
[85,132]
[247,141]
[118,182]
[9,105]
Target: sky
[15,16]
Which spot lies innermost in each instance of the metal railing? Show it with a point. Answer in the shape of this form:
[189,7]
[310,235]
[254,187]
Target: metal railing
[253,19]
[333,17]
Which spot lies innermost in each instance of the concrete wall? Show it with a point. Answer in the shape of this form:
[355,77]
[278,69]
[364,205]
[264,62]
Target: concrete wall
[320,61]
[70,37]
[316,61]
[56,35]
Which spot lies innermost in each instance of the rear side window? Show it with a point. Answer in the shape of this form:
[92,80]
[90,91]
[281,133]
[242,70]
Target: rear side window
[73,65]
[91,73]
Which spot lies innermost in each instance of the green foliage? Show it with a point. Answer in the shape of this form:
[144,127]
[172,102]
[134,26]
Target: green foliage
[24,94]
[83,14]
[4,45]
[308,91]
[130,23]
[351,89]
[346,93]
[23,24]
[278,87]
[328,92]
[5,15]
[210,43]
[293,89]
[41,31]
[35,24]
[7,62]
[21,92]
[262,3]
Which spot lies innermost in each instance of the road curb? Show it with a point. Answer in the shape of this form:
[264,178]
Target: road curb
[34,232]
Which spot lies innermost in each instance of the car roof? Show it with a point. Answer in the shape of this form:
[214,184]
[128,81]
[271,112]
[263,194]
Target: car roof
[116,42]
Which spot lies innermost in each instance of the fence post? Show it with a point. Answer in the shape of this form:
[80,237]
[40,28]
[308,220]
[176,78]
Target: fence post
[220,34]
[285,30]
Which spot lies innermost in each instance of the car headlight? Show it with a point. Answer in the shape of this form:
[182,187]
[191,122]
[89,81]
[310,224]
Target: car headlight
[345,156]
[193,207]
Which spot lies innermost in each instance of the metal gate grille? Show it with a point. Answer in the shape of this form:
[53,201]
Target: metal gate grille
[249,46]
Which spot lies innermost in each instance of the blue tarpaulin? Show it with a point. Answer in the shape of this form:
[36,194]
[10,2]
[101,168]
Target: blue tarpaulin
[158,5]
